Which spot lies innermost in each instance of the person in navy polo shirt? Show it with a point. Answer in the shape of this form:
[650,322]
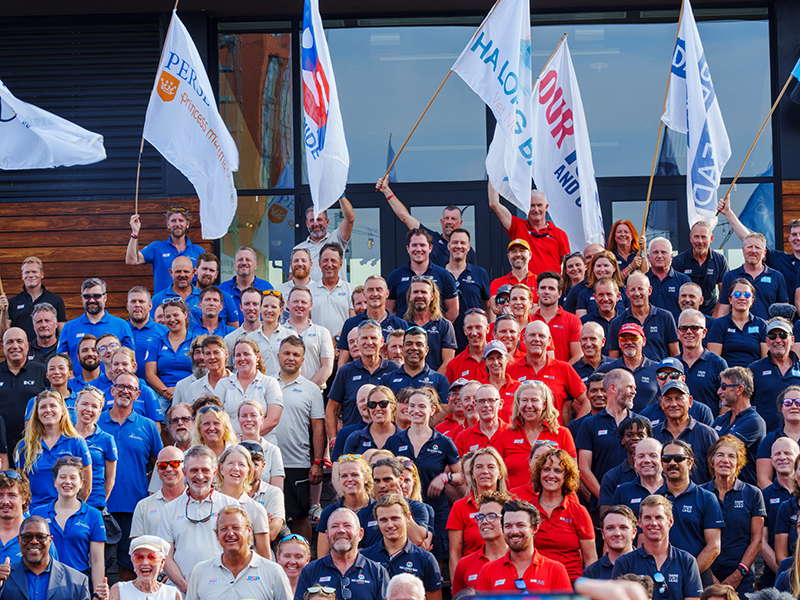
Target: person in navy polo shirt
[632,342]
[161,253]
[742,420]
[674,571]
[598,446]
[245,264]
[657,323]
[350,573]
[618,526]
[690,296]
[770,284]
[424,310]
[739,336]
[596,396]
[649,477]
[743,511]
[143,328]
[788,403]
[698,516]
[396,553]
[784,452]
[631,432]
[418,246]
[773,374]
[702,367]
[368,368]
[95,320]
[376,291]
[20,380]
[671,370]
[523,570]
[592,341]
[17,311]
[472,281]
[704,266]
[414,372]
[665,281]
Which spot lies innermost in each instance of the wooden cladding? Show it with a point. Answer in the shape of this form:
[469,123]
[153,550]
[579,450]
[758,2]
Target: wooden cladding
[81,239]
[790,201]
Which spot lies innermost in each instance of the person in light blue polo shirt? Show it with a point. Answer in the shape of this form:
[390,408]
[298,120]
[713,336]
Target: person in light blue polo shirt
[245,264]
[143,328]
[181,272]
[95,320]
[168,359]
[161,253]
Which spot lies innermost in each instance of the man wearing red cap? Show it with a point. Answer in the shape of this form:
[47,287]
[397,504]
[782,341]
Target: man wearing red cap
[631,342]
[519,255]
[548,243]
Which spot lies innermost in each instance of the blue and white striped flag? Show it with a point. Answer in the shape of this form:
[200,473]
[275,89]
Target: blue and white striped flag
[692,108]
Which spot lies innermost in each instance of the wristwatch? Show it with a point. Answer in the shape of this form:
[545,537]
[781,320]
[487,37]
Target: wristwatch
[319,462]
[743,569]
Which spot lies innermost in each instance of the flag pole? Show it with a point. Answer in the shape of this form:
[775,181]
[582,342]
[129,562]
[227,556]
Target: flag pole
[450,72]
[760,131]
[1,287]
[660,127]
[558,45]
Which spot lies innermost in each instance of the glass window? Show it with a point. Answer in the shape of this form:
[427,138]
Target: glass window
[430,216]
[255,77]
[385,77]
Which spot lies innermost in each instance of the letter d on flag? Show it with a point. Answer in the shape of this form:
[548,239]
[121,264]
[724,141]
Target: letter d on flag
[184,125]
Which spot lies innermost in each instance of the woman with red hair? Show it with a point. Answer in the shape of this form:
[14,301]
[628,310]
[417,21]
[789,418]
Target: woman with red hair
[625,243]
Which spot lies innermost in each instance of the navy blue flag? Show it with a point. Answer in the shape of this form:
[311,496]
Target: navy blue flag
[389,159]
[759,212]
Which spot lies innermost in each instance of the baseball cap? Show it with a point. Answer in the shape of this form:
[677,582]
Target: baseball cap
[779,324]
[494,346]
[503,289]
[519,242]
[150,542]
[633,328]
[671,363]
[670,385]
[458,384]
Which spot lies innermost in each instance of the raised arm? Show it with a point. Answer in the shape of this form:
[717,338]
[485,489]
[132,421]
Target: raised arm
[132,255]
[398,207]
[346,226]
[501,211]
[724,207]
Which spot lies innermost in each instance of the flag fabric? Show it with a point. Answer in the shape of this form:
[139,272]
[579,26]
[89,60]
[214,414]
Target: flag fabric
[327,158]
[796,70]
[389,158]
[562,155]
[496,64]
[758,213]
[32,138]
[692,108]
[184,125]
[794,96]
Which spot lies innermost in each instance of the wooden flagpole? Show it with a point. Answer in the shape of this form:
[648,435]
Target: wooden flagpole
[558,45]
[660,127]
[450,72]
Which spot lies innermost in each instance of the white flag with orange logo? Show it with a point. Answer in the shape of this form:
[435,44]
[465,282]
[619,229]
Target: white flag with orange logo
[184,125]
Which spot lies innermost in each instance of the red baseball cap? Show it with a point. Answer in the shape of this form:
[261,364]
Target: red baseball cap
[633,328]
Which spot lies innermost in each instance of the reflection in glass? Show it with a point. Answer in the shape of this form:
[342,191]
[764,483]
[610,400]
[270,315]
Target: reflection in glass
[255,78]
[756,203]
[362,257]
[430,216]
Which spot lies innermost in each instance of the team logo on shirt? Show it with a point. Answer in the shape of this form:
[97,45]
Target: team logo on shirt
[673,578]
[671,289]
[519,441]
[29,382]
[738,504]
[324,579]
[472,577]
[686,508]
[603,432]
[499,582]
[435,449]
[372,524]
[538,581]
[645,380]
[253,578]
[565,519]
[774,500]
[635,500]
[404,278]
[356,377]
[215,580]
[701,373]
[653,328]
[766,372]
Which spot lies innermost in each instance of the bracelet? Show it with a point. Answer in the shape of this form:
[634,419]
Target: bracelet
[136,236]
[390,196]
[444,478]
[744,568]
[449,478]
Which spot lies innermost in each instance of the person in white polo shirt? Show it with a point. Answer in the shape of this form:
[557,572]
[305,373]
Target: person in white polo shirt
[188,522]
[238,572]
[147,514]
[318,363]
[331,294]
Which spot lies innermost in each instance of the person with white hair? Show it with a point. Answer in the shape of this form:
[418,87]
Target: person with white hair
[405,587]
[665,281]
[148,555]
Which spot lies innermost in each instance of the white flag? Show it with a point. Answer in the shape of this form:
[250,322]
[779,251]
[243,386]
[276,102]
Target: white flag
[692,108]
[184,125]
[32,138]
[327,158]
[496,64]
[563,168]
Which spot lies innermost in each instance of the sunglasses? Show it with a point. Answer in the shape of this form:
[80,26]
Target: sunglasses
[787,402]
[678,458]
[674,375]
[344,582]
[480,311]
[421,278]
[407,464]
[68,459]
[181,420]
[629,337]
[180,208]
[746,295]
[773,335]
[273,293]
[138,558]
[253,448]
[294,537]
[376,403]
[663,588]
[214,407]
[520,583]
[317,589]
[349,457]
[92,296]
[690,328]
[570,255]
[724,386]
[416,328]
[11,475]
[27,538]
[175,464]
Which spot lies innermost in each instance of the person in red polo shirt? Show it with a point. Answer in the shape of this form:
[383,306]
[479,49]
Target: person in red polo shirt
[559,376]
[519,255]
[486,432]
[456,421]
[548,243]
[490,527]
[507,330]
[564,327]
[496,360]
[468,364]
[523,569]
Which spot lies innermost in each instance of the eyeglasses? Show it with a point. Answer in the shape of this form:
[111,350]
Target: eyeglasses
[294,537]
[106,347]
[690,327]
[175,464]
[678,458]
[520,583]
[92,296]
[480,311]
[349,457]
[488,517]
[68,459]
[253,448]
[121,387]
[138,558]
[181,420]
[27,538]
[663,588]
[273,293]
[344,582]
[746,295]
[724,386]
[11,475]
[214,407]
[196,521]
[317,589]
[487,401]
[787,402]
[674,375]
[376,403]
[772,335]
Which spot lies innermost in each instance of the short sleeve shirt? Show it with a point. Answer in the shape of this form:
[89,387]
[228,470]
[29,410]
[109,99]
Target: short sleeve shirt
[462,518]
[703,379]
[161,253]
[467,569]
[411,560]
[770,288]
[707,275]
[319,345]
[558,375]
[397,380]
[102,448]
[43,490]
[473,292]
[740,347]
[389,323]
[700,437]
[314,248]
[768,383]
[171,365]
[464,365]
[302,402]
[262,578]
[263,389]
[20,308]
[440,254]
[441,336]
[645,377]
[368,579]
[694,511]
[74,330]
[749,427]
[514,447]
[665,291]
[560,534]
[331,308]
[142,337]
[269,346]
[473,438]
[680,571]
[147,514]
[73,541]
[659,330]
[349,380]
[565,328]
[400,280]
[598,435]
[548,245]
[543,575]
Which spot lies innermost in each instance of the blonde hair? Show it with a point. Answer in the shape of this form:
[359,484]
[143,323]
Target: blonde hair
[366,472]
[416,489]
[250,402]
[251,468]
[34,430]
[228,435]
[501,469]
[549,412]
[388,394]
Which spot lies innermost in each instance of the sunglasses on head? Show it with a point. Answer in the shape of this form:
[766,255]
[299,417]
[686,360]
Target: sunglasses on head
[272,293]
[316,589]
[69,460]
[349,457]
[480,311]
[11,475]
[773,335]
[376,403]
[175,464]
[214,407]
[294,537]
[253,448]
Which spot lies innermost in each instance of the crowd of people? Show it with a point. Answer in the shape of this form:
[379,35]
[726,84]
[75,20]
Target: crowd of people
[613,412]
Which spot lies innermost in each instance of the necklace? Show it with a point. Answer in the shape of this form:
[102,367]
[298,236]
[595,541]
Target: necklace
[543,503]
